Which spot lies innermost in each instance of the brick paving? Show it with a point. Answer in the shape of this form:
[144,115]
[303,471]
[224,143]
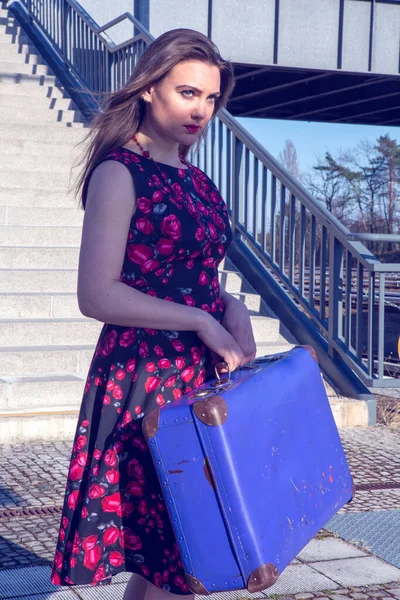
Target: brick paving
[33,475]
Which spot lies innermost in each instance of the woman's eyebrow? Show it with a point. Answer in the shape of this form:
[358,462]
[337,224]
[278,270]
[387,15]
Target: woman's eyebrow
[195,89]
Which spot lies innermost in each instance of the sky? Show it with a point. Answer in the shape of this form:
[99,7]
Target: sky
[313,139]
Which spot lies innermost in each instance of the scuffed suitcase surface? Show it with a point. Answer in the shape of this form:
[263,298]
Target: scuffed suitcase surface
[249,480]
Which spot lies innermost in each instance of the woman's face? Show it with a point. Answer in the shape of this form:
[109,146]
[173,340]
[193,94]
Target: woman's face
[180,106]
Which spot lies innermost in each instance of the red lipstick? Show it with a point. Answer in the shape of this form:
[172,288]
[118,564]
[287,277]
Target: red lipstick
[192,128]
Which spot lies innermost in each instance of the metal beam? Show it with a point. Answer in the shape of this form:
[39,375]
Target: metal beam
[358,101]
[318,96]
[279,87]
[253,72]
[370,112]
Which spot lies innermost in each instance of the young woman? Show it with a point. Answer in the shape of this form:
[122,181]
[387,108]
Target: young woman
[154,233]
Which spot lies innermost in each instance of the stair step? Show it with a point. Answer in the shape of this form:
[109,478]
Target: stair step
[233,282]
[26,88]
[27,79]
[21,53]
[62,160]
[62,133]
[48,424]
[44,115]
[13,67]
[40,391]
[8,26]
[15,100]
[38,280]
[26,179]
[35,360]
[48,331]
[25,257]
[11,235]
[86,331]
[42,216]
[39,197]
[39,306]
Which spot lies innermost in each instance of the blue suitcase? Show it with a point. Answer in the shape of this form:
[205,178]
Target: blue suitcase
[251,467]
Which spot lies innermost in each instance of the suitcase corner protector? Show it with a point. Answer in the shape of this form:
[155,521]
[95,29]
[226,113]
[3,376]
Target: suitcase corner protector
[150,423]
[195,585]
[262,578]
[212,411]
[310,349]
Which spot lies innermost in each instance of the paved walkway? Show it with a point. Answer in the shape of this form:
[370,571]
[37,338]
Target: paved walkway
[357,555]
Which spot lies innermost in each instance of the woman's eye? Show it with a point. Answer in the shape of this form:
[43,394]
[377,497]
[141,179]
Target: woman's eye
[187,93]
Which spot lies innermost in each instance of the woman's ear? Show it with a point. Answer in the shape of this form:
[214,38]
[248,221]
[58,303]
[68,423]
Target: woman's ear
[146,96]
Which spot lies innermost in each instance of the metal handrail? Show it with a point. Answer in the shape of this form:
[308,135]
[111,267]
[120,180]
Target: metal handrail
[316,259]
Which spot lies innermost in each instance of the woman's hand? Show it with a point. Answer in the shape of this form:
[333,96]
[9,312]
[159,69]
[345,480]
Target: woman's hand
[237,322]
[220,341]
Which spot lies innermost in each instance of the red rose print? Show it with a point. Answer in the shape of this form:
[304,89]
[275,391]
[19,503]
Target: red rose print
[73,562]
[204,278]
[80,442]
[62,535]
[116,559]
[85,423]
[205,307]
[200,379]
[145,570]
[215,283]
[84,512]
[129,540]
[139,253]
[128,337]
[92,558]
[143,349]
[208,262]
[200,234]
[144,226]
[142,508]
[127,418]
[177,393]
[144,205]
[195,355]
[96,491]
[171,227]
[89,542]
[106,399]
[180,362]
[99,575]
[97,381]
[187,374]
[165,247]
[179,347]
[58,560]
[117,392]
[111,535]
[125,509]
[75,470]
[111,503]
[111,458]
[95,470]
[158,351]
[157,197]
[189,264]
[157,580]
[135,470]
[64,522]
[151,367]
[170,381]
[138,410]
[82,458]
[108,343]
[164,363]
[160,400]
[189,300]
[151,384]
[110,385]
[112,476]
[55,578]
[135,489]
[150,265]
[130,365]
[118,446]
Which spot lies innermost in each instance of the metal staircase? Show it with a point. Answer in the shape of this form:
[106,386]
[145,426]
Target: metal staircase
[45,344]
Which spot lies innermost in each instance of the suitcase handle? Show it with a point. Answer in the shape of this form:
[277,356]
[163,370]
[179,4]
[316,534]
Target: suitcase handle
[223,371]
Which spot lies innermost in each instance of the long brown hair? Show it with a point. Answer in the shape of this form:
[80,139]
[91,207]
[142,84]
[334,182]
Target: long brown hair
[122,111]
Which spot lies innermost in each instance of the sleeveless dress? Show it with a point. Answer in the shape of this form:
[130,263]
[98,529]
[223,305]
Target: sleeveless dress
[114,517]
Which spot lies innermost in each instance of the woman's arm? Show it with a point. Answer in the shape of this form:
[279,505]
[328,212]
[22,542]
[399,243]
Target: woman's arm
[109,208]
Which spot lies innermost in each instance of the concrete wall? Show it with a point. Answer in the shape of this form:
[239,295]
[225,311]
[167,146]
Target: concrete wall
[103,12]
[308,31]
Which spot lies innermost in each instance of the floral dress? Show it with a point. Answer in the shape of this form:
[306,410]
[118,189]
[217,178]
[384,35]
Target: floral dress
[114,516]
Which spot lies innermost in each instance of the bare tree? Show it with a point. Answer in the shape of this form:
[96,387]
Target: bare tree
[288,158]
